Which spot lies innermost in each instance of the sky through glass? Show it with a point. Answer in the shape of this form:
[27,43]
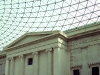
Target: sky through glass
[21,16]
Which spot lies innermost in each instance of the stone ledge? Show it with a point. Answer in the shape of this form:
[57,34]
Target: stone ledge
[83,31]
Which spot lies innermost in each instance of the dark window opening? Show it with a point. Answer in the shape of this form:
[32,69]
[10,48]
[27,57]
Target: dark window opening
[30,61]
[76,72]
[95,70]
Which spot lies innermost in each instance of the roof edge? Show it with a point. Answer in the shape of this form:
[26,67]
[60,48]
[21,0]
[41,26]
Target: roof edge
[84,30]
[31,33]
[58,34]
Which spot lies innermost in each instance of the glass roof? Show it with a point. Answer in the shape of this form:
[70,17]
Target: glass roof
[21,16]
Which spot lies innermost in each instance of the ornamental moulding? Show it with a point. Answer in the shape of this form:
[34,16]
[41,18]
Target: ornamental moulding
[76,67]
[59,35]
[84,48]
[94,64]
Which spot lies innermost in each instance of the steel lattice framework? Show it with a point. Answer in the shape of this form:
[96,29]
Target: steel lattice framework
[20,16]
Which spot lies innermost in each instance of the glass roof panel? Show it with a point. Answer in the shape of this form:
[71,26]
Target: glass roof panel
[21,16]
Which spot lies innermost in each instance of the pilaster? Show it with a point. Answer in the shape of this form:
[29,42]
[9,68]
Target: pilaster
[85,70]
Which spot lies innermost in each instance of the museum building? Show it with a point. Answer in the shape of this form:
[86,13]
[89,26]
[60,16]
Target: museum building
[72,52]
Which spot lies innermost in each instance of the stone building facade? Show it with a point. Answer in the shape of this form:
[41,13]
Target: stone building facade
[72,52]
[2,62]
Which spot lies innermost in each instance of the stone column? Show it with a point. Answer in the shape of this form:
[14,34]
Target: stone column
[21,67]
[49,57]
[61,61]
[35,63]
[12,66]
[7,67]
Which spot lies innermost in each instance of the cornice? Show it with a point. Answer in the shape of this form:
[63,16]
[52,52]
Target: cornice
[85,44]
[57,35]
[84,31]
[83,35]
[45,33]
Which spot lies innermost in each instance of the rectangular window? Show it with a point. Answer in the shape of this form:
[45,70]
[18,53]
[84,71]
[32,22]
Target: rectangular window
[30,61]
[95,70]
[76,72]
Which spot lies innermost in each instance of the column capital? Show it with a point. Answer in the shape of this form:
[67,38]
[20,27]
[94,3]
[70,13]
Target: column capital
[48,50]
[11,58]
[7,58]
[34,53]
[21,56]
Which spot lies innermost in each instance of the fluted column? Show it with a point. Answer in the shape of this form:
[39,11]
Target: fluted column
[21,67]
[7,67]
[35,63]
[49,52]
[12,66]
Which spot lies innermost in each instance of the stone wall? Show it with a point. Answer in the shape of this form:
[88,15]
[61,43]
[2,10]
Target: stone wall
[84,52]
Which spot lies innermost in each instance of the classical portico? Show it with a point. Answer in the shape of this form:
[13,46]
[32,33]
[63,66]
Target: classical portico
[39,53]
[54,53]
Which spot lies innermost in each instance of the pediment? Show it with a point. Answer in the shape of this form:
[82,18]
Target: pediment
[29,37]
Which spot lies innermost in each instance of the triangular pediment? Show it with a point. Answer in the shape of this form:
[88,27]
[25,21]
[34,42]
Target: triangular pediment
[29,37]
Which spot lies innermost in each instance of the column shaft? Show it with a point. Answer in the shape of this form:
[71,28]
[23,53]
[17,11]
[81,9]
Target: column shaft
[12,67]
[7,67]
[21,65]
[49,62]
[35,64]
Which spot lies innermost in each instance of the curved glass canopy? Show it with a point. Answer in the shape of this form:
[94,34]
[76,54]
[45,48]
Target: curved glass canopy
[21,16]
